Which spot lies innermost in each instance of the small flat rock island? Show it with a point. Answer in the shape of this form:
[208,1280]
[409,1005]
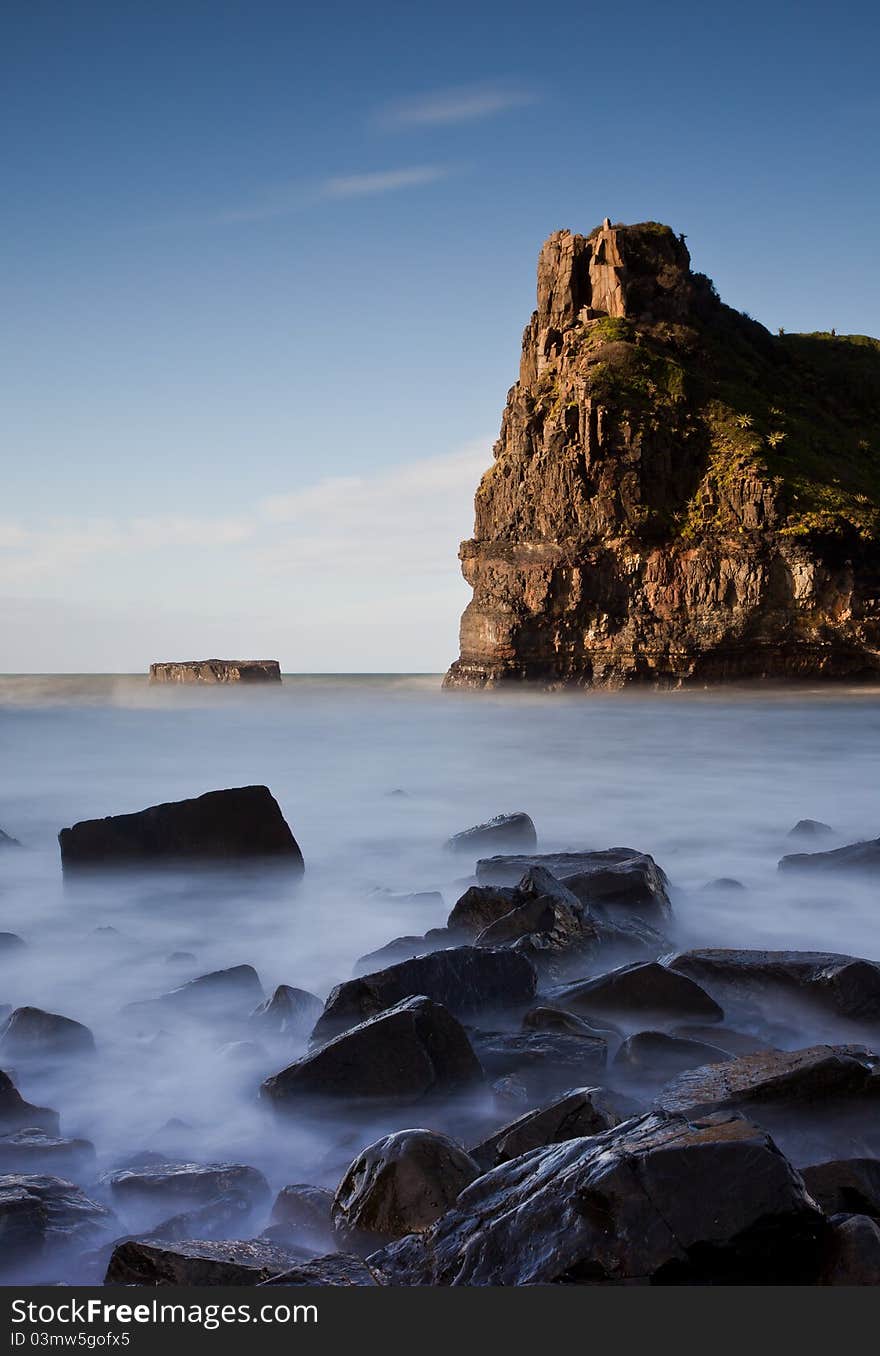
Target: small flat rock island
[217,671]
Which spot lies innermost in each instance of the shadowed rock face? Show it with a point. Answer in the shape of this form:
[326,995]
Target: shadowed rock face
[217,671]
[676,494]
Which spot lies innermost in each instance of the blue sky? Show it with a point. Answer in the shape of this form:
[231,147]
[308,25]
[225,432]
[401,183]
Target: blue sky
[265,269]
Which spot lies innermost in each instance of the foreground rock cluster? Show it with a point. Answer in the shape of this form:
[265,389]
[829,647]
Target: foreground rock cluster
[544,1091]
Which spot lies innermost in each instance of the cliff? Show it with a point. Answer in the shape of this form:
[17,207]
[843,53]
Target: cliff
[217,671]
[676,495]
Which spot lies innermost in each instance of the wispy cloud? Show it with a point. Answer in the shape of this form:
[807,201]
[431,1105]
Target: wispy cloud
[284,200]
[381,181]
[463,104]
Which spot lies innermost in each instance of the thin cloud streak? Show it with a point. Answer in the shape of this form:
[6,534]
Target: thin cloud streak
[382,181]
[464,104]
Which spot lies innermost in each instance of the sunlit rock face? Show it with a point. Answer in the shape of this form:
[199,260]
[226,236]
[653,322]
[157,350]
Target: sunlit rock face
[676,495]
[217,671]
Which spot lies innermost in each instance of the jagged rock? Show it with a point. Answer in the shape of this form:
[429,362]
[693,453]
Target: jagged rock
[857,858]
[656,1200]
[224,994]
[17,1114]
[845,987]
[514,832]
[198,1262]
[289,1012]
[557,1019]
[301,1214]
[817,1074]
[240,824]
[642,519]
[634,992]
[811,828]
[35,1151]
[626,883]
[852,1252]
[480,906]
[182,1186]
[42,1217]
[400,1185]
[216,671]
[463,979]
[413,1050]
[845,1185]
[654,1056]
[337,1268]
[31,1033]
[582,1111]
[545,1061]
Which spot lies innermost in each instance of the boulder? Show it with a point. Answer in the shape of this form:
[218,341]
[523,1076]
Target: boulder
[337,1268]
[224,994]
[400,1185]
[855,858]
[849,1186]
[478,908]
[814,1075]
[840,986]
[582,1111]
[852,1255]
[154,1188]
[413,1050]
[654,1056]
[655,1200]
[31,1033]
[289,1012]
[225,1217]
[17,1114]
[811,829]
[723,885]
[545,1061]
[400,949]
[464,979]
[301,1215]
[241,824]
[198,1262]
[557,1019]
[730,1041]
[32,1150]
[43,1217]
[626,883]
[511,833]
[633,992]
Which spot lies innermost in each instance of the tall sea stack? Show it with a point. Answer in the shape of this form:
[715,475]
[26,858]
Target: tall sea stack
[677,495]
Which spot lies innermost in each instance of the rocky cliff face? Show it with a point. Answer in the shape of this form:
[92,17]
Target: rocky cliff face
[676,495]
[217,671]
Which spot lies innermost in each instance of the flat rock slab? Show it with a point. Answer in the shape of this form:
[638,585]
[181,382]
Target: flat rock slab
[339,1268]
[198,1262]
[188,1183]
[855,857]
[34,1151]
[846,986]
[244,823]
[813,1075]
[633,992]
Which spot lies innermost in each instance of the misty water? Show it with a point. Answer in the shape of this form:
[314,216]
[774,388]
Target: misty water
[373,774]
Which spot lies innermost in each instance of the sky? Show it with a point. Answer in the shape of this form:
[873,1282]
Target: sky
[265,269]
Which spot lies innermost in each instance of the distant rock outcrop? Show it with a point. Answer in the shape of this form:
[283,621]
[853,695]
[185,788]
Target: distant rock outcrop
[217,671]
[677,495]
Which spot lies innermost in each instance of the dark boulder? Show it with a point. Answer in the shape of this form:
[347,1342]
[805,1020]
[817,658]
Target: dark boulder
[301,1215]
[289,1012]
[852,1254]
[634,992]
[10,943]
[224,994]
[579,1112]
[656,1200]
[511,833]
[655,1057]
[43,1218]
[811,829]
[181,1186]
[464,979]
[723,1037]
[557,1019]
[848,1186]
[413,1050]
[31,1033]
[855,858]
[337,1268]
[240,824]
[34,1151]
[841,986]
[17,1114]
[479,907]
[400,949]
[400,1185]
[626,883]
[817,1074]
[198,1262]
[545,1061]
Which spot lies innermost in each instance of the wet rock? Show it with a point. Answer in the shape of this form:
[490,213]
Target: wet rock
[626,883]
[301,1214]
[400,1185]
[198,1262]
[289,1012]
[788,1077]
[509,1092]
[557,1019]
[17,1114]
[811,829]
[10,943]
[31,1033]
[337,1268]
[479,907]
[654,1056]
[512,833]
[464,979]
[633,992]
[845,987]
[656,1200]
[845,1185]
[225,994]
[35,1151]
[154,1188]
[400,949]
[855,858]
[240,824]
[226,1217]
[852,1252]
[44,1217]
[730,1041]
[413,1050]
[582,1111]
[545,1061]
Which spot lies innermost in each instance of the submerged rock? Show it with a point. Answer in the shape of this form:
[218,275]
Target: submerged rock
[44,1219]
[545,1061]
[31,1033]
[198,1262]
[464,979]
[225,994]
[400,1185]
[35,1151]
[10,943]
[656,1200]
[289,1012]
[514,832]
[654,1056]
[842,986]
[17,1114]
[411,1051]
[582,1111]
[301,1215]
[855,858]
[811,829]
[185,1185]
[7,841]
[241,824]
